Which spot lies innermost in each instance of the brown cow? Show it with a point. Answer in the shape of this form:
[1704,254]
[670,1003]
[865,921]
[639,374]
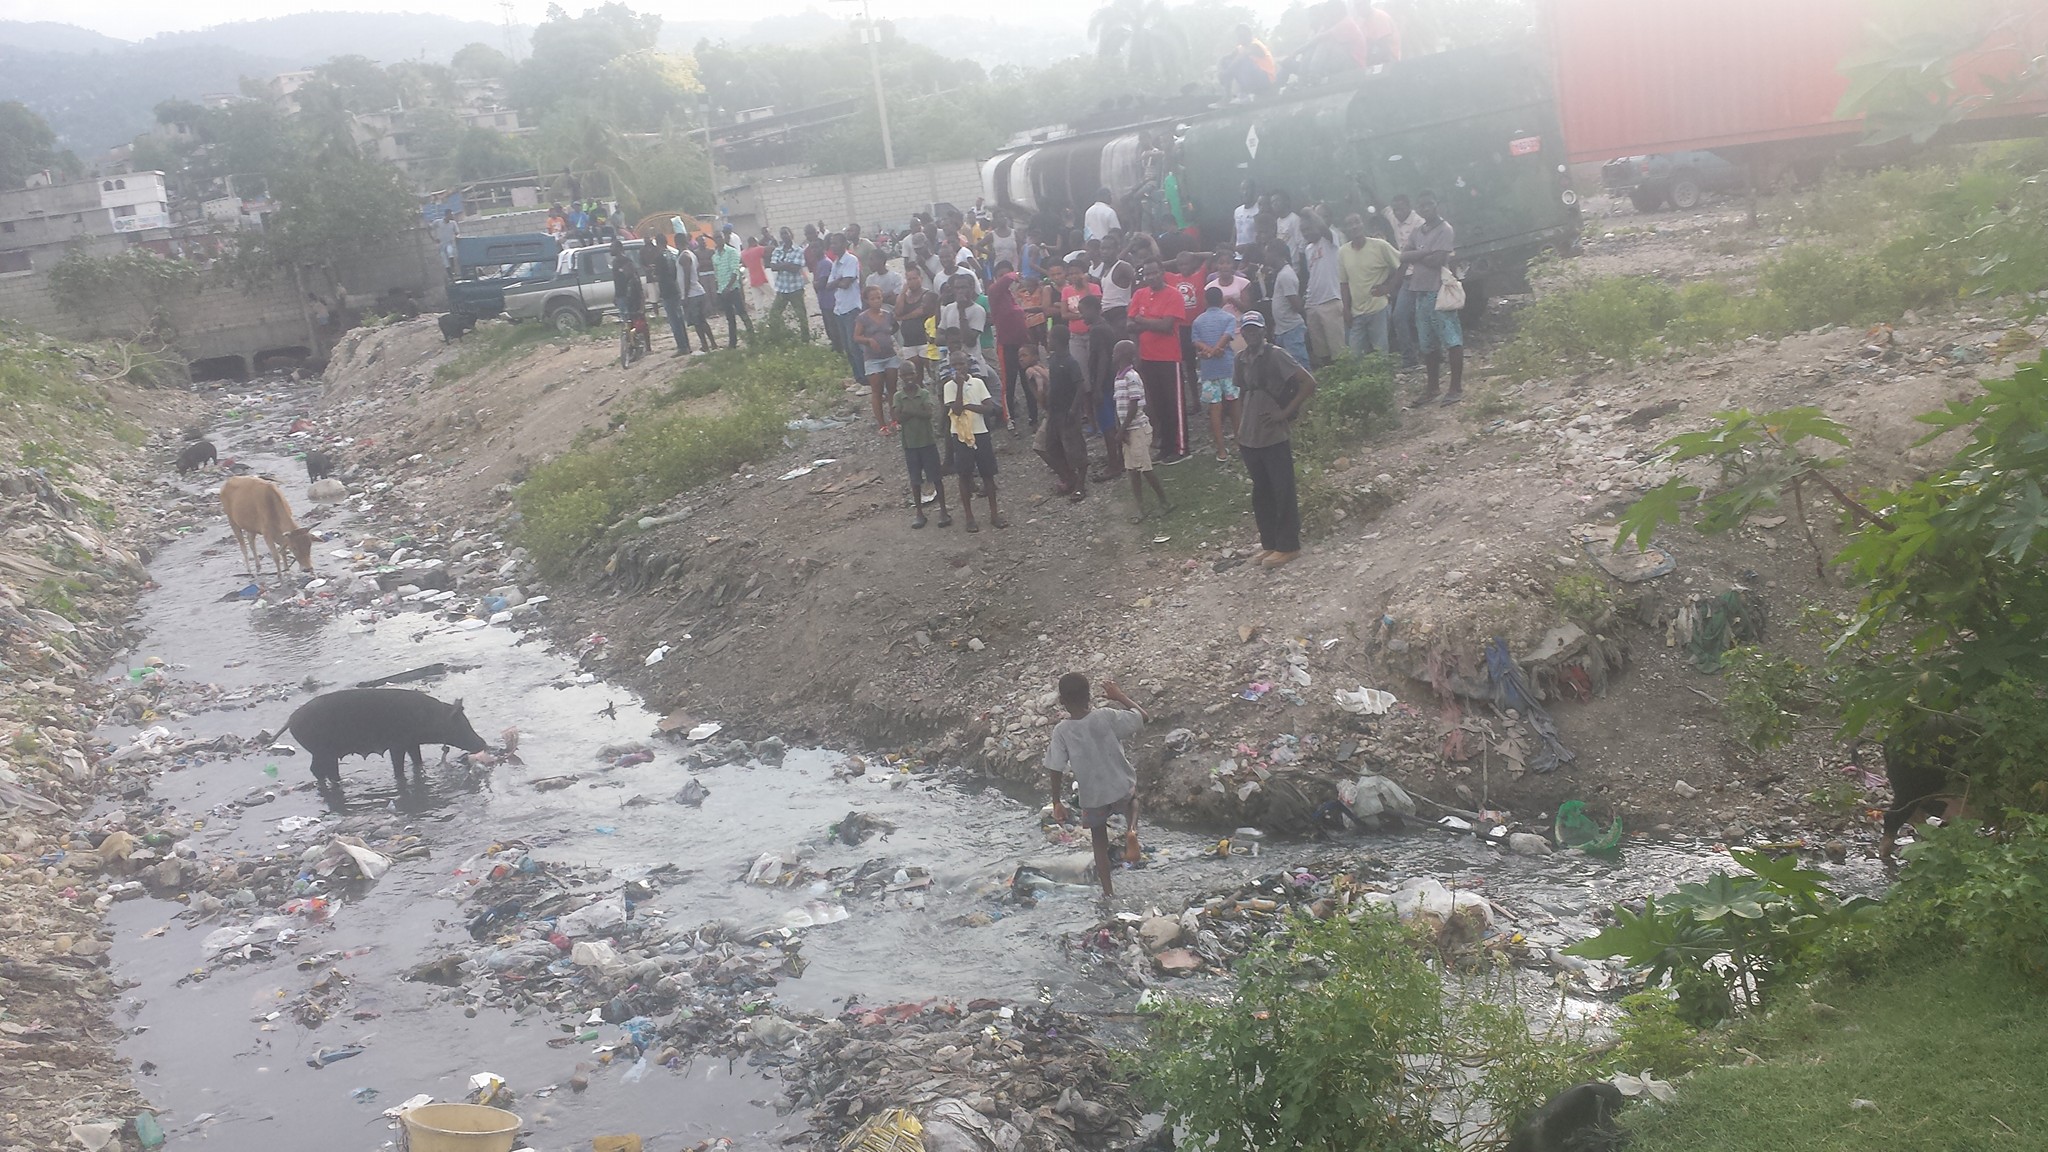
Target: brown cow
[257,508]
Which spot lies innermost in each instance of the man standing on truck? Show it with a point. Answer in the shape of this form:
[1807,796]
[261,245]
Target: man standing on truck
[1429,250]
[787,264]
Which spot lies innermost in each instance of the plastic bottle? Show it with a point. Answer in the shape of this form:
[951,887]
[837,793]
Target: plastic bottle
[147,1131]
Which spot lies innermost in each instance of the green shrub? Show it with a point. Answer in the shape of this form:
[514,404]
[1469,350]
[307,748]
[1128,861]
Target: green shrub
[1767,697]
[1817,285]
[1582,597]
[1354,399]
[1589,321]
[1336,1035]
[1964,891]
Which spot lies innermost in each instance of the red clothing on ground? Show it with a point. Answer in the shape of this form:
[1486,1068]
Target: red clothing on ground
[1164,304]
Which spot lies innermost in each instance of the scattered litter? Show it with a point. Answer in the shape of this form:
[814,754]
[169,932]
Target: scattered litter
[1366,701]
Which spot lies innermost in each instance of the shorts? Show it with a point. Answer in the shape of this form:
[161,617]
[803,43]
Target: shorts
[1218,390]
[1138,449]
[967,461]
[1436,330]
[923,463]
[881,363]
[693,308]
[1099,817]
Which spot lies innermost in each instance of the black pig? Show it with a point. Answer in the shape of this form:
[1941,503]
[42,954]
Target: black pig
[318,464]
[1577,1119]
[195,454]
[366,721]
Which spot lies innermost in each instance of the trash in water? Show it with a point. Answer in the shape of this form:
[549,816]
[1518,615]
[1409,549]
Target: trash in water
[488,1089]
[93,1137]
[362,1095]
[693,793]
[419,1101]
[1575,829]
[326,1056]
[423,672]
[659,654]
[1366,701]
[856,827]
[629,1142]
[148,1132]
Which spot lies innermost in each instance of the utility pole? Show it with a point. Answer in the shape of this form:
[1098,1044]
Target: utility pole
[710,158]
[872,36]
[511,40]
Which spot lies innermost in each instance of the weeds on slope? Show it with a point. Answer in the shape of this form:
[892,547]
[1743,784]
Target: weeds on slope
[568,503]
[495,343]
[1877,245]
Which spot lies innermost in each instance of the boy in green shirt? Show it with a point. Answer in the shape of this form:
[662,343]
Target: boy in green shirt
[917,412]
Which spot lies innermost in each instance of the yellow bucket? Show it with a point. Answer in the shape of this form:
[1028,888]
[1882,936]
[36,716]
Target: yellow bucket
[459,1128]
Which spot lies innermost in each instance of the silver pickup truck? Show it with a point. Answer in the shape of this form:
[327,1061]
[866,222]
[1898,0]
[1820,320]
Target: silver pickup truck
[577,295]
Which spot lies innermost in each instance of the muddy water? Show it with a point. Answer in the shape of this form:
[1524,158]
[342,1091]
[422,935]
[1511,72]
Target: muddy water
[230,1070]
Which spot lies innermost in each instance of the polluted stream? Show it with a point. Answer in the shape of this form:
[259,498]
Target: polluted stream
[297,1018]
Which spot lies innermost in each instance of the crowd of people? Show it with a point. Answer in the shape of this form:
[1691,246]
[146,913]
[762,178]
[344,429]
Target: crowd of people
[1106,346]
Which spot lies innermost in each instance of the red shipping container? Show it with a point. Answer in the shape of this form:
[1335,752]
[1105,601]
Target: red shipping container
[1642,76]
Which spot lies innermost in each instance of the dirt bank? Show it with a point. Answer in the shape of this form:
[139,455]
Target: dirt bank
[807,605]
[79,453]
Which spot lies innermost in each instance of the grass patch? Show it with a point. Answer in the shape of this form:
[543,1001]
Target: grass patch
[494,342]
[567,503]
[1950,1055]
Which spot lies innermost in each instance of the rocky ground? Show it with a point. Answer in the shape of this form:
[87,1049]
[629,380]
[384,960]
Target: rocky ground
[806,604]
[72,561]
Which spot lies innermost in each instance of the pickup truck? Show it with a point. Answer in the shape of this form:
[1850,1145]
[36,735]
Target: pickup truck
[1682,178]
[486,266]
[575,295]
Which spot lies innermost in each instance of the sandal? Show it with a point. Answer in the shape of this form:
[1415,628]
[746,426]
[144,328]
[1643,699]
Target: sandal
[1000,522]
[973,527]
[945,521]
[917,523]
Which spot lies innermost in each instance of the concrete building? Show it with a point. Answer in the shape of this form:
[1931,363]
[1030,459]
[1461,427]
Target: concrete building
[39,221]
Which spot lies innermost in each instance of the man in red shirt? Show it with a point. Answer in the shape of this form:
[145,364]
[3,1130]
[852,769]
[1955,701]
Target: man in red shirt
[1189,276]
[755,259]
[1158,313]
[1011,334]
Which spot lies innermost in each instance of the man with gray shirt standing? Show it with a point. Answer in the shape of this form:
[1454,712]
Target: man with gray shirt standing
[1428,251]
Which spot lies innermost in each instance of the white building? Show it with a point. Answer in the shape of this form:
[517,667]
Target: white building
[39,220]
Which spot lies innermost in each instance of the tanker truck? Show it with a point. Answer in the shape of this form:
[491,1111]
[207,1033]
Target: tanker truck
[1477,126]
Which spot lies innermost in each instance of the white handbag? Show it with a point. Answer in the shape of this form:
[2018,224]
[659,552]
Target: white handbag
[1450,296]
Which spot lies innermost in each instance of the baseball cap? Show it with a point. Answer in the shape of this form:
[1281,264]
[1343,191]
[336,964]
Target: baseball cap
[1252,320]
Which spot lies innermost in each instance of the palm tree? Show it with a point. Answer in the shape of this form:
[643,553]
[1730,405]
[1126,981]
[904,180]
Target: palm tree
[1141,33]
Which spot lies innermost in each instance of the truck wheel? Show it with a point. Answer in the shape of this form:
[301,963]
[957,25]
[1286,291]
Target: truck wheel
[1685,193]
[1647,198]
[567,319]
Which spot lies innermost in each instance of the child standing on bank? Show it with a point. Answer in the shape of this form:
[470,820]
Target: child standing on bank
[917,413]
[1089,747]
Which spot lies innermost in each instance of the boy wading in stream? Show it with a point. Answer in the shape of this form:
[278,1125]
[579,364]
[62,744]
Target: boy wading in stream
[1089,747]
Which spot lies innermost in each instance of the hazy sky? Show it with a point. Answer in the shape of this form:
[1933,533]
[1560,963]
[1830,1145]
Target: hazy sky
[136,19]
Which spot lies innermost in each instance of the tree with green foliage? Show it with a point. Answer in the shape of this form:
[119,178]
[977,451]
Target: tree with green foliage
[577,137]
[481,154]
[334,205]
[27,145]
[480,61]
[645,91]
[1143,35]
[1951,568]
[671,176]
[570,54]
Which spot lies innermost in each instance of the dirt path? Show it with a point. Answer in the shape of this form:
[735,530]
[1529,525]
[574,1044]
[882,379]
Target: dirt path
[808,604]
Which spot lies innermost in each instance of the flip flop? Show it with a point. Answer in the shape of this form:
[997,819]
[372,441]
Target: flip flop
[945,521]
[1000,522]
[973,527]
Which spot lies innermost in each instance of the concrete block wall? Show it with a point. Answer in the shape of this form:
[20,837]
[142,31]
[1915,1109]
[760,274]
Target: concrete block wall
[871,199]
[219,320]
